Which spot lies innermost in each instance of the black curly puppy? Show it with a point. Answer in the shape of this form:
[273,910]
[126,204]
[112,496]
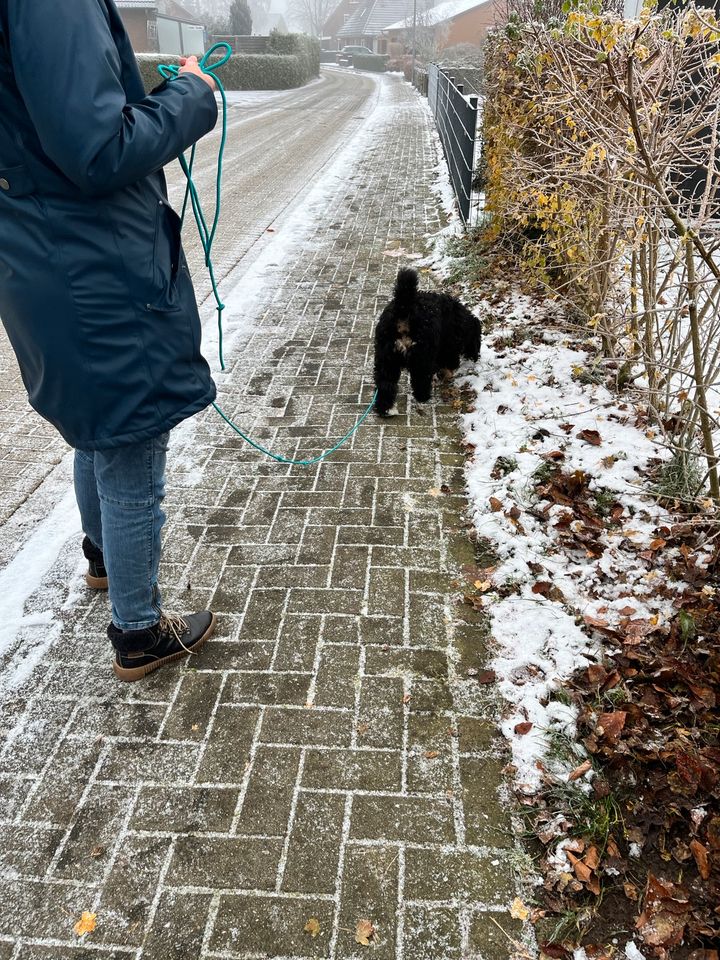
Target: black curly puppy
[424,333]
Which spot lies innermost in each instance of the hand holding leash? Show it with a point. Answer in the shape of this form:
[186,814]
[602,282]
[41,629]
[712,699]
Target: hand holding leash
[191,65]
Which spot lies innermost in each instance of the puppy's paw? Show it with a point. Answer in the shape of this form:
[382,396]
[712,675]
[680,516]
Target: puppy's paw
[393,412]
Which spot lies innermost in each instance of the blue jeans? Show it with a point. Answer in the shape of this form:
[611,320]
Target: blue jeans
[119,493]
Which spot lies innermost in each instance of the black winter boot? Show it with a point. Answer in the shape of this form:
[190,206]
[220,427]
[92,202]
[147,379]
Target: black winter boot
[139,652]
[96,576]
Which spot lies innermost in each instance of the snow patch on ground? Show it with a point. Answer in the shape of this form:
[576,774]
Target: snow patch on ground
[26,634]
[533,411]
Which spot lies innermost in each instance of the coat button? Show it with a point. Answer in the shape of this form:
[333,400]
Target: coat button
[4,184]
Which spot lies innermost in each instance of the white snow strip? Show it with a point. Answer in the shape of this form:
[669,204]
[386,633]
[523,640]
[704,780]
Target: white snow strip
[19,581]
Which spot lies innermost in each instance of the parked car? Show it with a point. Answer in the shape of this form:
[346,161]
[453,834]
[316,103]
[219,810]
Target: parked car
[345,56]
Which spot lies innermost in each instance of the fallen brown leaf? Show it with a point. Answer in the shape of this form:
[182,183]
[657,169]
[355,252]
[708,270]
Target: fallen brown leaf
[364,933]
[86,924]
[312,927]
[579,771]
[486,676]
[700,853]
[590,436]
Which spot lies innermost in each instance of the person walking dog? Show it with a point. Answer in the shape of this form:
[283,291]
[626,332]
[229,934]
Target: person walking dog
[95,293]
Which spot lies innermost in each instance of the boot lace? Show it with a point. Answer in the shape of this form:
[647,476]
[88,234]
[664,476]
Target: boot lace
[175,625]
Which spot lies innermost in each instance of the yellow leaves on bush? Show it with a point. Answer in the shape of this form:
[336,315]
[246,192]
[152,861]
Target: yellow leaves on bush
[595,153]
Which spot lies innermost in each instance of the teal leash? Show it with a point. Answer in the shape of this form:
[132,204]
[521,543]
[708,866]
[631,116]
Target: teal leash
[207,237]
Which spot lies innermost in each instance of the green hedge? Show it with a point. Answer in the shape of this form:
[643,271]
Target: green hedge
[298,45]
[369,61]
[295,60]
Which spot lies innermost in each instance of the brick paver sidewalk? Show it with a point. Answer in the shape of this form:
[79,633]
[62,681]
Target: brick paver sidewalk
[328,756]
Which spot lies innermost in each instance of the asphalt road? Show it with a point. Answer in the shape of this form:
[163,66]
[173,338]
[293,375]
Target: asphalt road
[278,144]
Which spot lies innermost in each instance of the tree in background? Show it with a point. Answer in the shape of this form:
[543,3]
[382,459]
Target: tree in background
[260,12]
[240,19]
[310,15]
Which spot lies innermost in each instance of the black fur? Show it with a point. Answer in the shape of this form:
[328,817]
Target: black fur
[423,333]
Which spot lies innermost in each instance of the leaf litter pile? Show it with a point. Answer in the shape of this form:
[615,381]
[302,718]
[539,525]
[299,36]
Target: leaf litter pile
[603,604]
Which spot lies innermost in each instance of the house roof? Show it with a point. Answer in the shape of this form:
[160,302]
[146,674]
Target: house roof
[169,8]
[166,8]
[372,17]
[441,13]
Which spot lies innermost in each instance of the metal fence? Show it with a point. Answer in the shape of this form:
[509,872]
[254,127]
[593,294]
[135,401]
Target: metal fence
[456,117]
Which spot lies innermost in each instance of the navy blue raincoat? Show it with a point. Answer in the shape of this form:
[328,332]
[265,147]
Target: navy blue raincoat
[95,293]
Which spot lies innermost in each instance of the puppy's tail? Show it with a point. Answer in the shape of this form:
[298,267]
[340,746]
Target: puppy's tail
[406,287]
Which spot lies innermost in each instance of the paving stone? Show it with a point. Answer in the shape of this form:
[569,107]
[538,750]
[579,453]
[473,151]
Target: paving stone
[268,798]
[456,875]
[110,718]
[90,840]
[489,940]
[36,909]
[430,766]
[477,735]
[236,655]
[231,593]
[337,677]
[469,641]
[387,590]
[178,927]
[428,625]
[307,726]
[293,576]
[298,642]
[353,770]
[142,762]
[27,851]
[325,601]
[317,545]
[340,629]
[349,567]
[264,615]
[407,661]
[430,695]
[37,952]
[185,809]
[268,688]
[405,819]
[381,716]
[432,932]
[229,862]
[382,630]
[192,710]
[314,850]
[271,927]
[129,891]
[13,794]
[228,750]
[487,817]
[369,892]
[33,746]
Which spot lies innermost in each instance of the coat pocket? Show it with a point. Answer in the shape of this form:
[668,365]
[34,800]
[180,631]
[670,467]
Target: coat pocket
[167,256]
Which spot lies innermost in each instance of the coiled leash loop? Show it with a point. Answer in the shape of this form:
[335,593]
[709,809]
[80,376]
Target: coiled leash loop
[207,237]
